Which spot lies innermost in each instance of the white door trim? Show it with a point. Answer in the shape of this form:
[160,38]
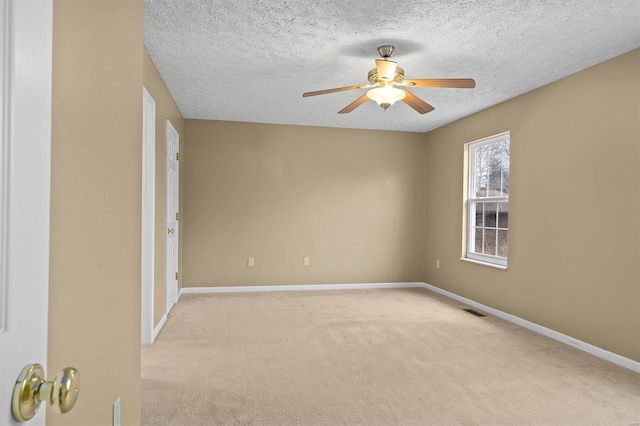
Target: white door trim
[172,263]
[5,120]
[26,81]
[148,213]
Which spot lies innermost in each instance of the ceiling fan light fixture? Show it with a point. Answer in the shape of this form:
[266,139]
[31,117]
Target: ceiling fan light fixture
[384,77]
[386,69]
[386,96]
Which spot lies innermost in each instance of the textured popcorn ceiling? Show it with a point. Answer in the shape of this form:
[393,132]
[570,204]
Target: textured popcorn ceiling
[252,60]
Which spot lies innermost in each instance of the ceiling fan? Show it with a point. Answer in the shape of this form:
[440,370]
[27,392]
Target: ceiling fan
[383,80]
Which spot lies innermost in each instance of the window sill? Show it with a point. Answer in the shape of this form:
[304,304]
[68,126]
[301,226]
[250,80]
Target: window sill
[478,262]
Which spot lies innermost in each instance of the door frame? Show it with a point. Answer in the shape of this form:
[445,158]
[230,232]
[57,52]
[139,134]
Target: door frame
[25,156]
[172,283]
[148,214]
[5,120]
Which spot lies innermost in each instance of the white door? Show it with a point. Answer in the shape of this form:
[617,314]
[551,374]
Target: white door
[172,215]
[25,164]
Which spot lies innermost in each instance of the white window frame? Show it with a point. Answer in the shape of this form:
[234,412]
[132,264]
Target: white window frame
[471,199]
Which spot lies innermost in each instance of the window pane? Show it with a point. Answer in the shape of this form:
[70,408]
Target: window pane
[477,173]
[491,175]
[505,181]
[503,215]
[490,215]
[504,165]
[478,241]
[489,244]
[483,165]
[495,179]
[502,243]
[479,214]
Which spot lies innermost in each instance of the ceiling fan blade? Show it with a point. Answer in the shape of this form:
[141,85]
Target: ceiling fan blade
[458,83]
[337,89]
[416,103]
[353,105]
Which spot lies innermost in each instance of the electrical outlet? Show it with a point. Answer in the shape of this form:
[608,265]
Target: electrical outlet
[250,262]
[305,262]
[438,263]
[116,411]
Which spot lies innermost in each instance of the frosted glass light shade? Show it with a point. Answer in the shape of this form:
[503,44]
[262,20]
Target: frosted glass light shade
[386,69]
[386,96]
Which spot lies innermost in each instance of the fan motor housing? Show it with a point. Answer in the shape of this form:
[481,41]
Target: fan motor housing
[374,78]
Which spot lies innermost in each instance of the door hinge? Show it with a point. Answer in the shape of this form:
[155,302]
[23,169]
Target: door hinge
[177,216]
[176,275]
[177,156]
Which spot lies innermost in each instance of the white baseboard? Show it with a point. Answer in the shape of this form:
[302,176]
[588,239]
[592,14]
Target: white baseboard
[158,327]
[578,344]
[307,287]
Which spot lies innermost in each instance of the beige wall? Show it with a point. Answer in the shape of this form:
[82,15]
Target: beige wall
[94,311]
[351,200]
[574,207]
[166,109]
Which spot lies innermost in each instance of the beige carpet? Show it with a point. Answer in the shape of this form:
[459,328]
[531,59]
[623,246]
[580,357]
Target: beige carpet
[369,357]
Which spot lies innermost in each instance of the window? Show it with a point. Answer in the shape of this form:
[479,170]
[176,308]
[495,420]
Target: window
[488,200]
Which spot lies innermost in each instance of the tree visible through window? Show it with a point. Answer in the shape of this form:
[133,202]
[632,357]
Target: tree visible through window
[488,200]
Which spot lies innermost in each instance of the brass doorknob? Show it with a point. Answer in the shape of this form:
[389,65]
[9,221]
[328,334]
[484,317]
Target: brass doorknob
[170,231]
[31,389]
